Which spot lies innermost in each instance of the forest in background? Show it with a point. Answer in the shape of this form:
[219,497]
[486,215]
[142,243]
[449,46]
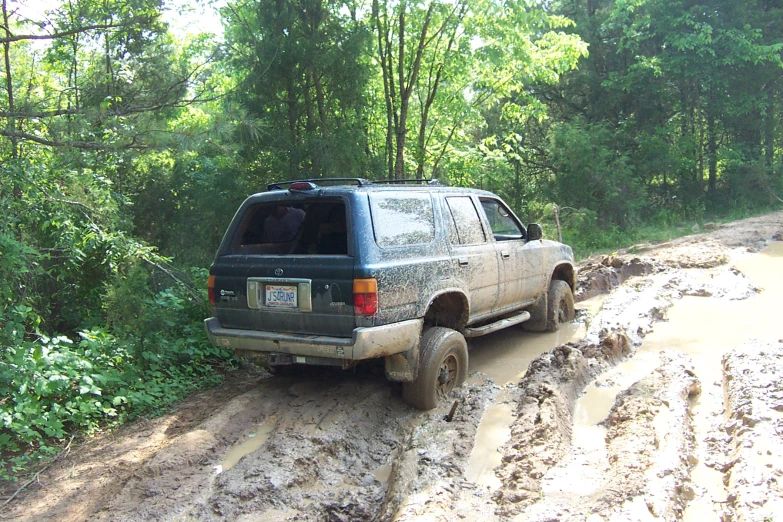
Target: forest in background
[125,150]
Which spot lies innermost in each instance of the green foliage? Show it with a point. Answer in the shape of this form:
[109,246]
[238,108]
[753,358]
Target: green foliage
[302,72]
[52,387]
[589,174]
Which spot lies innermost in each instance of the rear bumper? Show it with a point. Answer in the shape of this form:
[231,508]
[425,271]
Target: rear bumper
[366,343]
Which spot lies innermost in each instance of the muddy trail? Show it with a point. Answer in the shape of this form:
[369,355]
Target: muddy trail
[662,401]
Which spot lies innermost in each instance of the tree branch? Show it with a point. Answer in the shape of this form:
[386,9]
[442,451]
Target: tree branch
[63,453]
[82,145]
[194,297]
[77,30]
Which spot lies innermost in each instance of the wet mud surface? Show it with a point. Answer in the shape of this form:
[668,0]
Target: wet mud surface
[663,401]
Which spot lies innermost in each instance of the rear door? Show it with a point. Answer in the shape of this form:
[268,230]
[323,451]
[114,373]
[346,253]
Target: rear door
[288,267]
[475,262]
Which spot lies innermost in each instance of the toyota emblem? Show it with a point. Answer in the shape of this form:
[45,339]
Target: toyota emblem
[278,272]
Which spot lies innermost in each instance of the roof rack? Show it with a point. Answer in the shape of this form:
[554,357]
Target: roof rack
[335,181]
[407,182]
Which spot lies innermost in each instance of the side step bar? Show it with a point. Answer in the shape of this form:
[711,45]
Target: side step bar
[499,325]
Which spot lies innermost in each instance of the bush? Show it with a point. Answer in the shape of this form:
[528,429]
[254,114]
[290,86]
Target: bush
[53,386]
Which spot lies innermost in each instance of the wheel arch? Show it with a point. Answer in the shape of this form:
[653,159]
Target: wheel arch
[565,272]
[449,308]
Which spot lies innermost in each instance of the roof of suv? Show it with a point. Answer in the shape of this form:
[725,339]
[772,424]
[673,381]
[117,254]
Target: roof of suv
[342,186]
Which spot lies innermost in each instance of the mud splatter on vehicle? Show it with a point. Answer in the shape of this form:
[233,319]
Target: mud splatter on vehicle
[401,273]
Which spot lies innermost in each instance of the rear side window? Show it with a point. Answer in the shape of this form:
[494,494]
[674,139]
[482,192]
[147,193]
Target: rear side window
[466,222]
[400,220]
[309,228]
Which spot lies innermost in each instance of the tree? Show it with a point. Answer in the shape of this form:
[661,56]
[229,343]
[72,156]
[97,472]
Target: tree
[302,77]
[113,65]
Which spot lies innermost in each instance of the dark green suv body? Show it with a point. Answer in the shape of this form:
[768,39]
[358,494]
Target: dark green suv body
[332,275]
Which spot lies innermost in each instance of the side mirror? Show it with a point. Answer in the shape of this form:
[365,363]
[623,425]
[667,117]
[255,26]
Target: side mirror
[534,232]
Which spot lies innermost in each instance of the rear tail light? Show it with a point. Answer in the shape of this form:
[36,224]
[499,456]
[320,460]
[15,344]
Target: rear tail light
[211,290]
[365,297]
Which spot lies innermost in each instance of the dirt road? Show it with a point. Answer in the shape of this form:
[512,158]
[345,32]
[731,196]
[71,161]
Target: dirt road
[663,401]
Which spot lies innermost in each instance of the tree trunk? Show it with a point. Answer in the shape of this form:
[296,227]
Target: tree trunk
[433,89]
[107,54]
[293,157]
[406,88]
[401,120]
[712,148]
[384,47]
[311,125]
[769,129]
[9,84]
[321,100]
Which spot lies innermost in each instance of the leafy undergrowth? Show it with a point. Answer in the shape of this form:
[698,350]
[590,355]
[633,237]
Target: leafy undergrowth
[54,387]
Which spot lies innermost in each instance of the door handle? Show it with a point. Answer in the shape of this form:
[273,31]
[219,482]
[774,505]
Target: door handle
[505,255]
[463,261]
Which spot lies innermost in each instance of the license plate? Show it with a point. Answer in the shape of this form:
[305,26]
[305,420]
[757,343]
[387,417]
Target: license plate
[279,296]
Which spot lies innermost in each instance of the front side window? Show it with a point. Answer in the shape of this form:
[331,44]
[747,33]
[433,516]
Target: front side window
[504,226]
[402,219]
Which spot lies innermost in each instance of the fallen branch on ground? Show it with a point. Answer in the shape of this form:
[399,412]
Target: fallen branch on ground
[61,455]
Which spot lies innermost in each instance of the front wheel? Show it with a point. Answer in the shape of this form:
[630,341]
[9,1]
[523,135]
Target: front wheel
[560,305]
[443,365]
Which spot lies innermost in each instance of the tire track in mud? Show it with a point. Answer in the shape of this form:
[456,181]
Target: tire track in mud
[646,458]
[331,431]
[642,470]
[343,447]
[542,431]
[754,430]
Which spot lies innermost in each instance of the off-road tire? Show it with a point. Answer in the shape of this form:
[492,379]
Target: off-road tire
[538,318]
[443,365]
[560,305]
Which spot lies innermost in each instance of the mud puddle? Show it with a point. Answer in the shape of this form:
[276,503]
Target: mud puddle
[251,442]
[493,432]
[504,357]
[705,328]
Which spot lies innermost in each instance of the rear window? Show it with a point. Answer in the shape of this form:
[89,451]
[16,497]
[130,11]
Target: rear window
[400,220]
[309,228]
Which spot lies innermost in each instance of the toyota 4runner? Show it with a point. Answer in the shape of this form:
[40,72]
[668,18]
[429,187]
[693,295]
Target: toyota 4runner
[355,270]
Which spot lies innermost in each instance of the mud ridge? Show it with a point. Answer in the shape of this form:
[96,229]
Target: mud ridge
[596,278]
[650,453]
[754,393]
[542,430]
[430,479]
[643,473]
[541,433]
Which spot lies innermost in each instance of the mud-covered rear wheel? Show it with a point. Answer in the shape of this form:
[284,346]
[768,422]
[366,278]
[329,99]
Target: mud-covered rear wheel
[443,365]
[560,305]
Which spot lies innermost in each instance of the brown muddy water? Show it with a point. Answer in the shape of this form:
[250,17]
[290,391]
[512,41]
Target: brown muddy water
[504,357]
[251,442]
[705,328]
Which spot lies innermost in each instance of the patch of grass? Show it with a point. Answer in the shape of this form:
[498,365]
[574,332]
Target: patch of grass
[588,241]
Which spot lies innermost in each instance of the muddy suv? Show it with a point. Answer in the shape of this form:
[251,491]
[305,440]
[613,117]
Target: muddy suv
[353,270]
